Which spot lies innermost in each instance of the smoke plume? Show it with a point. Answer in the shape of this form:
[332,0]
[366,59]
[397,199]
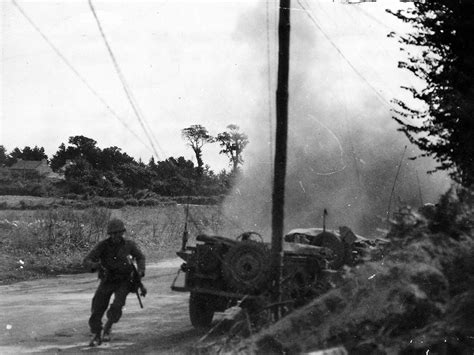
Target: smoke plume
[344,149]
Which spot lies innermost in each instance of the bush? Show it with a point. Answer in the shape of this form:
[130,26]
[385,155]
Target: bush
[81,205]
[145,194]
[418,298]
[38,190]
[132,202]
[149,202]
[101,202]
[116,203]
[199,200]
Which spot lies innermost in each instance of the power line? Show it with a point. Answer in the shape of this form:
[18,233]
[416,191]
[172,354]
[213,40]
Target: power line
[129,94]
[70,66]
[147,124]
[313,20]
[373,18]
[123,81]
[359,8]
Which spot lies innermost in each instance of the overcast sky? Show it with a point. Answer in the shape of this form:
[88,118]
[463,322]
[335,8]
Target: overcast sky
[186,62]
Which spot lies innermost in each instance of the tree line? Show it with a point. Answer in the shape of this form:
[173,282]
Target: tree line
[110,172]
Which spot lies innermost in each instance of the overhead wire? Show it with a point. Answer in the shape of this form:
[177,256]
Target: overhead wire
[81,78]
[359,8]
[366,33]
[359,74]
[147,125]
[123,81]
[129,94]
[373,18]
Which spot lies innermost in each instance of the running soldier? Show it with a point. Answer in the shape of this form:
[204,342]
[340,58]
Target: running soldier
[112,257]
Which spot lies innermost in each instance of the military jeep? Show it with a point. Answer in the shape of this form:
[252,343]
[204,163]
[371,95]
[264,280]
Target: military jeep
[220,271]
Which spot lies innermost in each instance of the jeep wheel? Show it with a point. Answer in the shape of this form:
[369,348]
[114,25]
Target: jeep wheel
[246,266]
[201,310]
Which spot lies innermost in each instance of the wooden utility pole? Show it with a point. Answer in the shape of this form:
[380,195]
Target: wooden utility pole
[280,146]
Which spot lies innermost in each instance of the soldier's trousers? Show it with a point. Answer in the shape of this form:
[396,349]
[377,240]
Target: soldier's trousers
[101,300]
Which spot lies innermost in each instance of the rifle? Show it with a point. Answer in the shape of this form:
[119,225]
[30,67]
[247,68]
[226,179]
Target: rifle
[185,238]
[137,286]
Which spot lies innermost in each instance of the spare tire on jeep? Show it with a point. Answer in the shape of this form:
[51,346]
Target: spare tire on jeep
[247,266]
[334,243]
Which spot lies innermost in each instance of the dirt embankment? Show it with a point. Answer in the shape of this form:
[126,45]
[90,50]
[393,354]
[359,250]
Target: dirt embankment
[418,299]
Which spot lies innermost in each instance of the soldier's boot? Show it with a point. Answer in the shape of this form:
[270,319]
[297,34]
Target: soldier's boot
[107,331]
[96,340]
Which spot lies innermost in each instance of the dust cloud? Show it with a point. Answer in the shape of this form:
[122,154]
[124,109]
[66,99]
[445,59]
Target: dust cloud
[343,146]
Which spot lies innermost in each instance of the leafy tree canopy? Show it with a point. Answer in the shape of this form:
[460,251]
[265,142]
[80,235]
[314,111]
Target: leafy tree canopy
[3,156]
[444,59]
[111,172]
[233,143]
[27,153]
[79,147]
[196,136]
[113,157]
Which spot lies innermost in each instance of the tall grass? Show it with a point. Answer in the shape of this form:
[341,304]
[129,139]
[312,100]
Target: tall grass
[50,241]
[55,240]
[58,230]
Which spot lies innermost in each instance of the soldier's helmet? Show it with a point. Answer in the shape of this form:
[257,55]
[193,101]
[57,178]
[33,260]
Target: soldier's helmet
[115,225]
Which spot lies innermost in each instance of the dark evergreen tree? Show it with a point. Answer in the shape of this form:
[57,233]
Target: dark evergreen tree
[59,158]
[3,156]
[151,164]
[27,153]
[444,58]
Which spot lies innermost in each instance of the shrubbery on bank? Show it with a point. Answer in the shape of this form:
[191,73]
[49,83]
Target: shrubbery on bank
[418,299]
[61,193]
[84,202]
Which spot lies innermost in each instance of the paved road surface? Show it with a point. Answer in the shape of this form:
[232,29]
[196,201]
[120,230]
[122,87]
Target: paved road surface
[50,316]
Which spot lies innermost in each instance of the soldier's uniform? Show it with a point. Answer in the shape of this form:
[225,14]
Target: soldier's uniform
[112,257]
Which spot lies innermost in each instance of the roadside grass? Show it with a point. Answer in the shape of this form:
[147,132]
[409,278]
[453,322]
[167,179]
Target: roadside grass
[47,242]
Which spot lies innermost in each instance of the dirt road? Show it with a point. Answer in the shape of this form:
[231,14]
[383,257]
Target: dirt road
[50,316]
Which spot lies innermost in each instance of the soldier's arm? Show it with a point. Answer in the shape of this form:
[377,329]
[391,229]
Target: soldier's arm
[138,255]
[92,260]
